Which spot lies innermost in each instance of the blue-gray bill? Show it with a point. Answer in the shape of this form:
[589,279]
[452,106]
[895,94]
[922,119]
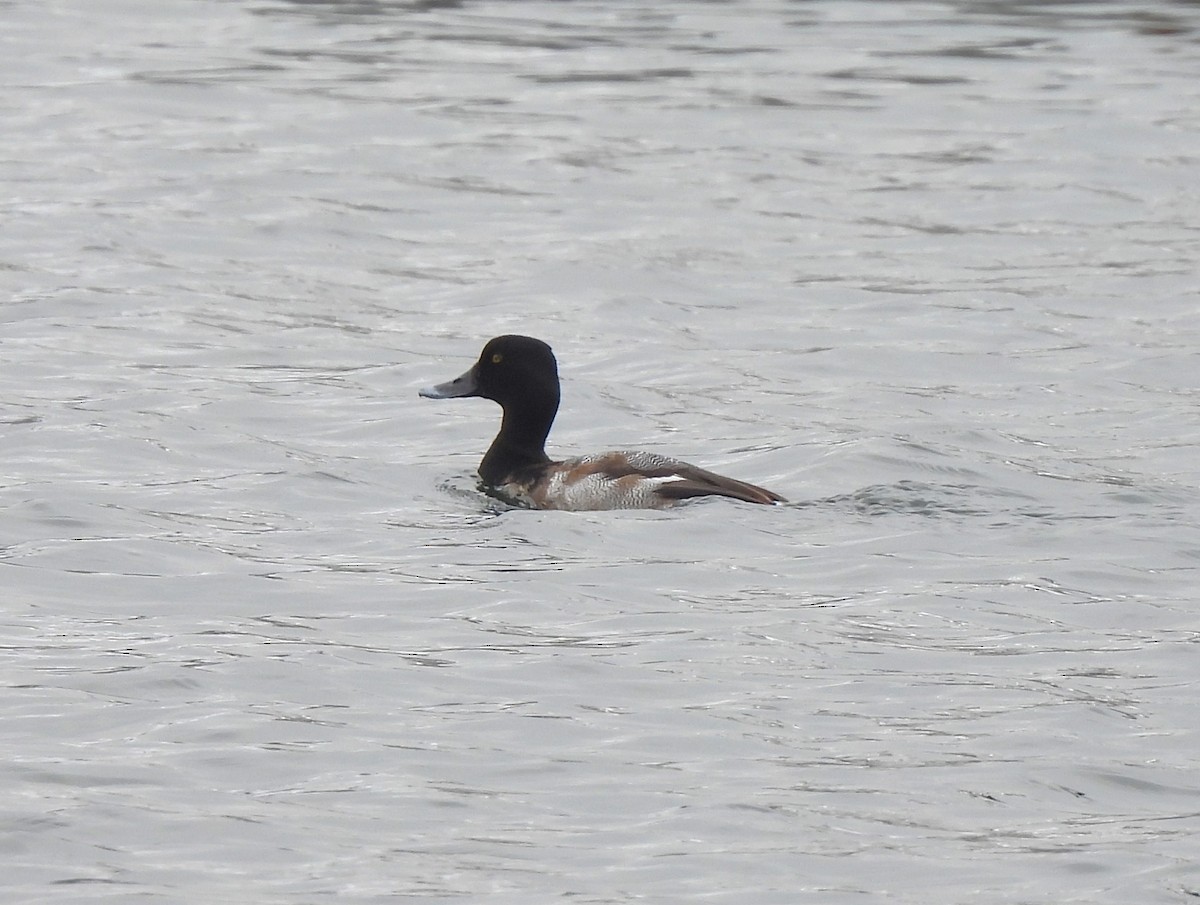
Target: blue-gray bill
[453,389]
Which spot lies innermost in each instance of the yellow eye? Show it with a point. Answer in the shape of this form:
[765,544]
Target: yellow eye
[497,358]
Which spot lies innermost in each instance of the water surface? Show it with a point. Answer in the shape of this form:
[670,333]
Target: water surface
[927,270]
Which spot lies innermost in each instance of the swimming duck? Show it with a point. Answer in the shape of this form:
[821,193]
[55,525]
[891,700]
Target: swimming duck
[521,374]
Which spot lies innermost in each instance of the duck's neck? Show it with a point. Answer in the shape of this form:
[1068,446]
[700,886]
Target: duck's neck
[521,441]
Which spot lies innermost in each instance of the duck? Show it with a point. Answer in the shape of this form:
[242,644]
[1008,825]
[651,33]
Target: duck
[520,373]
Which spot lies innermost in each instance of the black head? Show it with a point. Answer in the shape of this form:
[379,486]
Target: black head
[511,370]
[514,369]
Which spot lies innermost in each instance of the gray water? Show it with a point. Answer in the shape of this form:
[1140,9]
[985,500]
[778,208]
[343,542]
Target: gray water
[928,270]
